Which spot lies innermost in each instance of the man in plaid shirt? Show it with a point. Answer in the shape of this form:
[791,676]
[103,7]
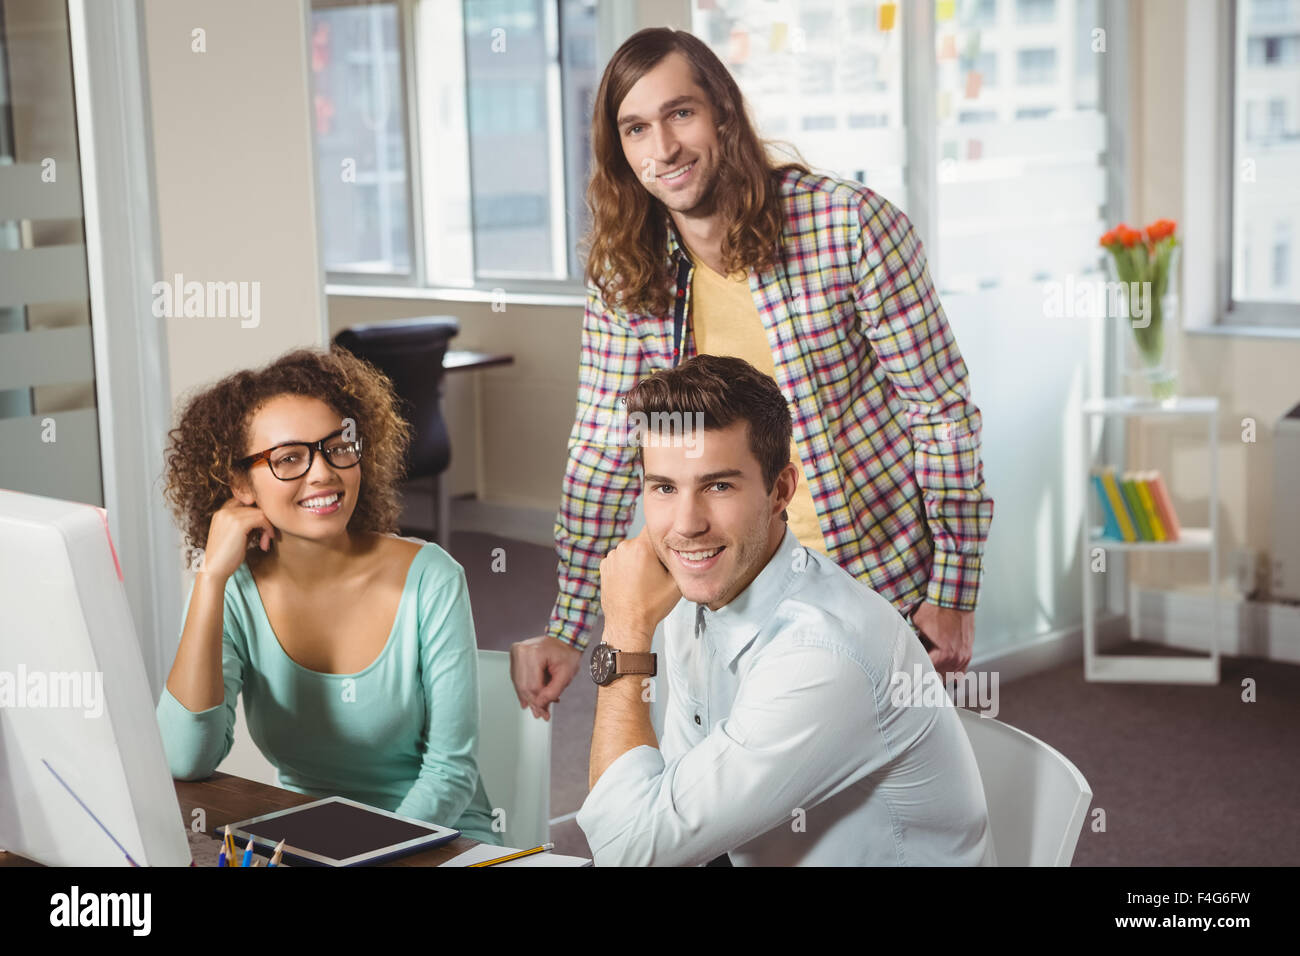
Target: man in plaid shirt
[708,247]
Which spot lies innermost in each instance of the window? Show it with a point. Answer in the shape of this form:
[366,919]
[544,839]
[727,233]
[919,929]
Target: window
[1036,67]
[828,72]
[1022,183]
[983,13]
[1035,11]
[1013,137]
[1282,257]
[984,63]
[452,139]
[361,139]
[1264,259]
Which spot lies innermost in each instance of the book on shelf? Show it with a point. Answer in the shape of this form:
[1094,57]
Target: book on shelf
[1163,504]
[1135,506]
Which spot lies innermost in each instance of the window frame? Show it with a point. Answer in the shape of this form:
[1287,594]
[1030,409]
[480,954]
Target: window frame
[1232,314]
[418,282]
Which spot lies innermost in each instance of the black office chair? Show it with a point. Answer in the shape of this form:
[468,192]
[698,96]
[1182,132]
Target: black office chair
[411,352]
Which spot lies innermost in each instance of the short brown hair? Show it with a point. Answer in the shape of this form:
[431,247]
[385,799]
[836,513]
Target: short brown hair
[211,436]
[723,390]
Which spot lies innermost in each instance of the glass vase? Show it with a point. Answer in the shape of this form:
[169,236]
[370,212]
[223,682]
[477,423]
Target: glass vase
[1151,334]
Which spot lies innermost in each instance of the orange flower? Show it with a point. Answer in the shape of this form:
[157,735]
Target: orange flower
[1108,237]
[1160,229]
[1129,237]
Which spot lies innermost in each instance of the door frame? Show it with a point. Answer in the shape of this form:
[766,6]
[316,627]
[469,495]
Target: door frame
[132,382]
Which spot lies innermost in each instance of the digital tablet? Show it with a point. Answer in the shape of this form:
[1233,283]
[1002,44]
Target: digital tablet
[337,831]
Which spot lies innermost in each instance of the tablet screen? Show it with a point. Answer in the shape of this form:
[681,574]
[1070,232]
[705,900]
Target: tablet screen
[341,831]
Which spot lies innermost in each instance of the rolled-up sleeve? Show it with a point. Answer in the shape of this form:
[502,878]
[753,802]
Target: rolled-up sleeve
[803,726]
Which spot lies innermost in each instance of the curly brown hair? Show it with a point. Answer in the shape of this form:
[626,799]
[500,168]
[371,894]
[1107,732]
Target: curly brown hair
[211,435]
[626,251]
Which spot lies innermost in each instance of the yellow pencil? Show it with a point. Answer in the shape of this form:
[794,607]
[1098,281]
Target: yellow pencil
[514,856]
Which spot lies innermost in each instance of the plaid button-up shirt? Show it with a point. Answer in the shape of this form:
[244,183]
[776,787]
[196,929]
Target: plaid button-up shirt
[878,392]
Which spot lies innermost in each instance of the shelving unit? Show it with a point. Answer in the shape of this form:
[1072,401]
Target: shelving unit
[1149,669]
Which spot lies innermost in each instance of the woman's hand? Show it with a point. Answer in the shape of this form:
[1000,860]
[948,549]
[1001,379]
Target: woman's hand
[228,537]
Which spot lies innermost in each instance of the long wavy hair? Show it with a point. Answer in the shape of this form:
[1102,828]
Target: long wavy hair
[211,435]
[625,247]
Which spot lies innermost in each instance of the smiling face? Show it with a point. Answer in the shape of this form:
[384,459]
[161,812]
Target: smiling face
[291,418]
[711,521]
[667,128]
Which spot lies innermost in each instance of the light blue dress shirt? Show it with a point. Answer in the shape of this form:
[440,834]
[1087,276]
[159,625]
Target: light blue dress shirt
[401,735]
[781,745]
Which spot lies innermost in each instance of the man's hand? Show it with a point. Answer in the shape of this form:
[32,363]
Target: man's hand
[636,591]
[541,668]
[950,634]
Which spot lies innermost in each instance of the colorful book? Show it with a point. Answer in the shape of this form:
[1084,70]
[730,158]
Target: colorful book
[1148,506]
[1117,506]
[1110,527]
[1127,486]
[1160,497]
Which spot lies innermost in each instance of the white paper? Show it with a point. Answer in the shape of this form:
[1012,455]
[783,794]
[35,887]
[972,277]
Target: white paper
[485,851]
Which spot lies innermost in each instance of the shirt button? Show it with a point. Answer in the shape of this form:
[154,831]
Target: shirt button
[697,718]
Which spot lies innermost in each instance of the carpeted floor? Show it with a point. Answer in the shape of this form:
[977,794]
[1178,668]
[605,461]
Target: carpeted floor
[1187,776]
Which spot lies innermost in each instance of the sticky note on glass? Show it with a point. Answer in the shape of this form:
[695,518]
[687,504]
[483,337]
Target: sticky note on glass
[776,43]
[974,149]
[945,10]
[973,81]
[885,16]
[738,49]
[948,47]
[945,104]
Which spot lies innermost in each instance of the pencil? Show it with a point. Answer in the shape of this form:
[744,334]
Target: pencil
[248,853]
[514,856]
[275,857]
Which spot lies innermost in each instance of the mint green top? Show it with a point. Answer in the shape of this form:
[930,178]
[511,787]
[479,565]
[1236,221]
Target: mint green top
[401,735]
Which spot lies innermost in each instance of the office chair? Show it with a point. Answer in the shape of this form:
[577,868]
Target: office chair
[514,755]
[411,352]
[1037,799]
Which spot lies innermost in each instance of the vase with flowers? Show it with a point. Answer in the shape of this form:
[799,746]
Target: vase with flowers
[1143,261]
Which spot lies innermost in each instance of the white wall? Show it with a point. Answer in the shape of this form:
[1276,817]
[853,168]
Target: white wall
[234,172]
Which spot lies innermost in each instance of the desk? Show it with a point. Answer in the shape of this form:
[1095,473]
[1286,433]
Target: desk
[467,360]
[228,799]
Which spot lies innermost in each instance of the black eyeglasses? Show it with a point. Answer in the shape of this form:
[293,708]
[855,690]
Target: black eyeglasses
[292,460]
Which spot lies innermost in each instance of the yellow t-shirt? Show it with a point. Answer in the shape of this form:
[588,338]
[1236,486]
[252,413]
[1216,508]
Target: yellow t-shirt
[725,321]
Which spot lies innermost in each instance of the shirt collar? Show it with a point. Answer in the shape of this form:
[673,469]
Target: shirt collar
[676,248]
[731,628]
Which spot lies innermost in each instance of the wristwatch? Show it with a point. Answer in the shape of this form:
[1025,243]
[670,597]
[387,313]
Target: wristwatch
[608,663]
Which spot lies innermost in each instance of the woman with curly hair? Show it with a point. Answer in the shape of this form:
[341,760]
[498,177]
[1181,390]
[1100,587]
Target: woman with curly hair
[354,648]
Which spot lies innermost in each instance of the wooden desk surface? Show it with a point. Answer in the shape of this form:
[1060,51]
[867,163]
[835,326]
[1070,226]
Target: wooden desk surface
[466,360]
[227,799]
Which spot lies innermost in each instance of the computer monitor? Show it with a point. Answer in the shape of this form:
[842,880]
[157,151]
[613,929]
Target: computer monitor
[76,710]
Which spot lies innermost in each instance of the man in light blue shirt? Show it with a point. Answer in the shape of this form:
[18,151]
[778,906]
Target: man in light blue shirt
[783,743]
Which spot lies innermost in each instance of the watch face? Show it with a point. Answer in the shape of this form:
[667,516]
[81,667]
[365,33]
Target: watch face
[602,664]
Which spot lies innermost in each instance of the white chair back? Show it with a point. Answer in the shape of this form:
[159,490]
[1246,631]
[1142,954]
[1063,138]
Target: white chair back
[514,755]
[1037,799]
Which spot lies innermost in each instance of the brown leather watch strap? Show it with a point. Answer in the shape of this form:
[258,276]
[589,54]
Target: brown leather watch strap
[627,663]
